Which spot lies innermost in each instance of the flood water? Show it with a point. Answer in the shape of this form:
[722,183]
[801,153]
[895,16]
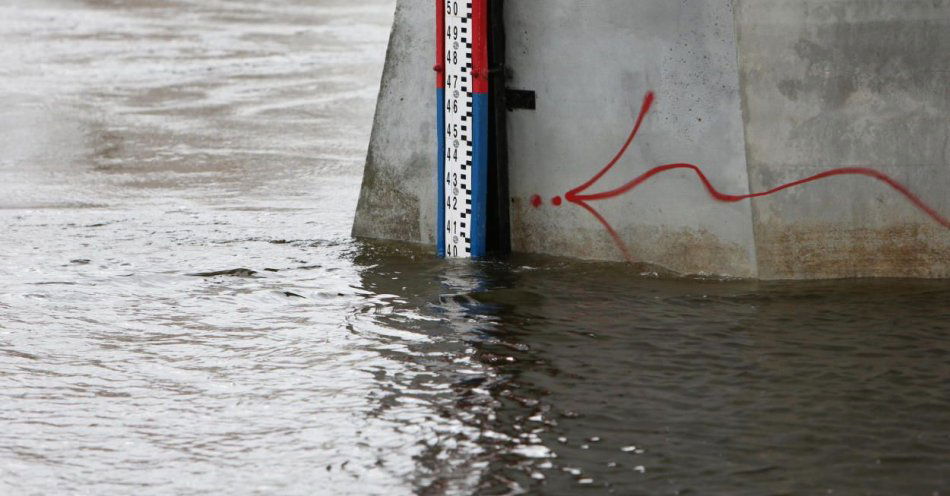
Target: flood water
[147,145]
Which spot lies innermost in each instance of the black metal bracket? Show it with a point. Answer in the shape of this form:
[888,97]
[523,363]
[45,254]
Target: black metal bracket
[519,99]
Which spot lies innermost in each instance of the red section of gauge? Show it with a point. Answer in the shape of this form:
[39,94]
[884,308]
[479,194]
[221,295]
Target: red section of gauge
[439,44]
[480,69]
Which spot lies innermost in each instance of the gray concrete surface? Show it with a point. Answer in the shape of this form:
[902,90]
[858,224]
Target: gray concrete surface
[397,200]
[842,83]
[591,63]
[756,93]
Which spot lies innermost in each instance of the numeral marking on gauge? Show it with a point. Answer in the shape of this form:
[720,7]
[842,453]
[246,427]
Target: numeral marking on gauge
[458,129]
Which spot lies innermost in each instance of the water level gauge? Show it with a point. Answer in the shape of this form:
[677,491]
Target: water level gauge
[462,93]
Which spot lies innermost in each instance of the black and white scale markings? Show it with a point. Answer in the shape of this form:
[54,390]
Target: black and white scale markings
[458,129]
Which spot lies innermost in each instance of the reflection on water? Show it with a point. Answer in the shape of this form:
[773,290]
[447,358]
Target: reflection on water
[182,310]
[594,376]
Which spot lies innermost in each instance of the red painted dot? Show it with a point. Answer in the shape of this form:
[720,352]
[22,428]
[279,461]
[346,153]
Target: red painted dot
[536,201]
[556,201]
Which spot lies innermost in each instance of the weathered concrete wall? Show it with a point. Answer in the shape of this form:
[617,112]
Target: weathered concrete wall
[841,83]
[397,200]
[591,63]
[753,93]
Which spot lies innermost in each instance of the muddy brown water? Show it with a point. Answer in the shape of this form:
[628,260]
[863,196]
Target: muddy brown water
[182,310]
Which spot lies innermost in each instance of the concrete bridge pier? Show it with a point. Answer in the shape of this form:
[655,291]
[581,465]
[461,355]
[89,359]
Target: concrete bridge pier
[750,97]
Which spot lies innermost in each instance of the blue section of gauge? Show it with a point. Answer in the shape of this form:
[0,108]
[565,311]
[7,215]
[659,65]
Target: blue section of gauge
[440,132]
[479,173]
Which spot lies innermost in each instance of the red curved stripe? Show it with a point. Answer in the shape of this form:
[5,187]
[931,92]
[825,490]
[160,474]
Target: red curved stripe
[577,197]
[610,229]
[647,103]
[723,197]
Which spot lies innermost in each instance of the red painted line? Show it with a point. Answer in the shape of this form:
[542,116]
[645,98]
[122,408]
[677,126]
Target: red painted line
[439,44]
[578,197]
[647,103]
[480,45]
[723,197]
[610,230]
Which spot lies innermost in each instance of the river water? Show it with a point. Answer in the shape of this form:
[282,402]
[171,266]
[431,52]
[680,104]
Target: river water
[148,144]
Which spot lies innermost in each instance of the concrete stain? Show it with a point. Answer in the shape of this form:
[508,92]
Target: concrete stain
[675,251]
[829,251]
[392,212]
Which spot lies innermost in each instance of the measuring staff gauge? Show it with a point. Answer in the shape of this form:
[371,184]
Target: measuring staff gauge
[462,126]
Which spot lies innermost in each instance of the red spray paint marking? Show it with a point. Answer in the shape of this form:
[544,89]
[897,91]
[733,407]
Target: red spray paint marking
[577,196]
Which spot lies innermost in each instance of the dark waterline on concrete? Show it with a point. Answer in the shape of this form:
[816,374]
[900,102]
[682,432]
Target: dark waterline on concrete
[182,309]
